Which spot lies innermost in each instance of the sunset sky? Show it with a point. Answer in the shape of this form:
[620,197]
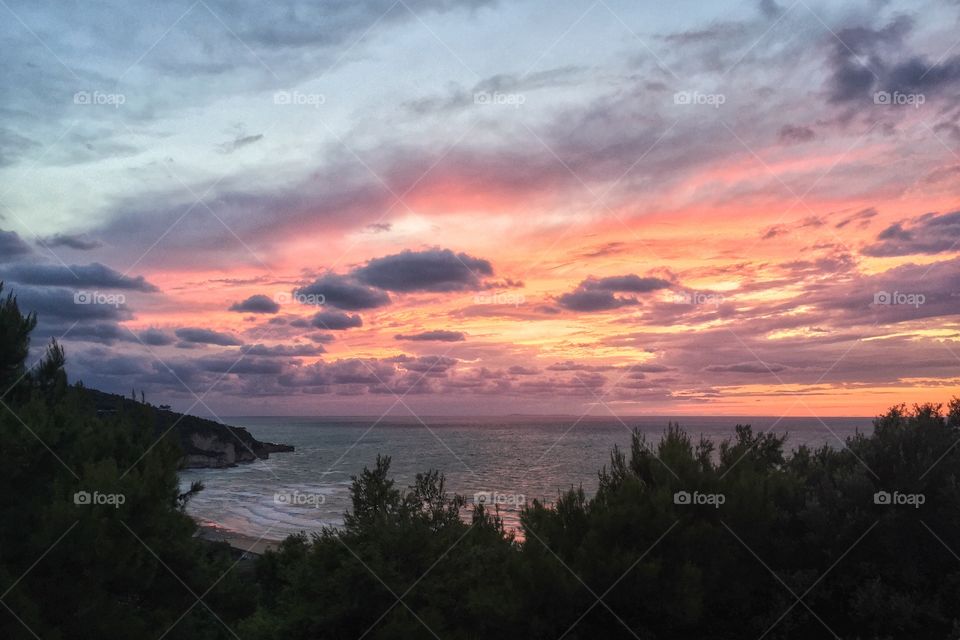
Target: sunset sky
[475,207]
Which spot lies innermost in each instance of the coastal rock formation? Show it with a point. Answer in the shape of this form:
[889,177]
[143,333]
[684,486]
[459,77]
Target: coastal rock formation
[205,443]
[217,445]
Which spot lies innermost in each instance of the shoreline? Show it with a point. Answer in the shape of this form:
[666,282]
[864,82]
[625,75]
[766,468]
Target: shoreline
[240,542]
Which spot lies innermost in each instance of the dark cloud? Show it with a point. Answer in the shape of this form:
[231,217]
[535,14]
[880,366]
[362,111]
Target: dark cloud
[547,309]
[80,242]
[90,275]
[865,60]
[628,283]
[598,294]
[593,300]
[517,370]
[513,83]
[770,9]
[795,134]
[284,350]
[570,365]
[429,365]
[785,229]
[774,231]
[103,333]
[353,371]
[830,264]
[578,384]
[919,75]
[155,337]
[257,303]
[110,363]
[430,270]
[811,221]
[342,292]
[926,234]
[951,172]
[434,336]
[606,249]
[240,365]
[718,33]
[948,128]
[335,321]
[460,97]
[854,301]
[747,367]
[861,218]
[63,303]
[197,335]
[239,142]
[856,59]
[11,246]
[851,80]
[649,368]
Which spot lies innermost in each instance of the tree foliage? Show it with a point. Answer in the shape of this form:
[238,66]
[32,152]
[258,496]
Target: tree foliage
[799,546]
[70,567]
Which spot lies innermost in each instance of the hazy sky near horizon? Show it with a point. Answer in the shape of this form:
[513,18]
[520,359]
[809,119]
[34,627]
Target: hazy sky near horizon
[482,207]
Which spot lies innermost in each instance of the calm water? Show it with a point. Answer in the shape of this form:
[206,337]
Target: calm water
[508,460]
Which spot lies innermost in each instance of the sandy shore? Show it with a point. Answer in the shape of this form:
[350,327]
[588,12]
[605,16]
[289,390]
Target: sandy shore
[247,544]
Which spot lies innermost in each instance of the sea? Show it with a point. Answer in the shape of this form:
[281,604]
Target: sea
[500,461]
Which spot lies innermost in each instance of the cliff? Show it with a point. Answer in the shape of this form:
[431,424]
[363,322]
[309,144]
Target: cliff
[205,443]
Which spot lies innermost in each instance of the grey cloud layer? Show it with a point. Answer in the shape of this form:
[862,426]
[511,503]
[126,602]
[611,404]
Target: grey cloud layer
[433,336]
[206,336]
[90,275]
[439,270]
[595,294]
[258,303]
[343,293]
[926,234]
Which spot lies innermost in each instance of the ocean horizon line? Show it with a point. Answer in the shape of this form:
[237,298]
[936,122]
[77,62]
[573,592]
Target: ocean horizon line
[545,416]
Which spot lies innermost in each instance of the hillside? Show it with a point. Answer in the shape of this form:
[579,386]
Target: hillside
[205,443]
